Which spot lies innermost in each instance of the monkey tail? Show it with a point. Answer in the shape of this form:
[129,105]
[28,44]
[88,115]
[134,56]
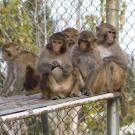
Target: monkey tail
[124,104]
[31,78]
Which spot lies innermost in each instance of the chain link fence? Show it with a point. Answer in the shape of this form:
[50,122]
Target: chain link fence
[30,23]
[82,117]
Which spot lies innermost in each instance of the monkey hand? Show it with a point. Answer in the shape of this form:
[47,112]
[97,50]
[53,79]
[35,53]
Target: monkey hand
[55,64]
[86,91]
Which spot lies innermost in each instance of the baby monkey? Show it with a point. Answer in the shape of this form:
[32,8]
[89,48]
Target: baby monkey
[17,61]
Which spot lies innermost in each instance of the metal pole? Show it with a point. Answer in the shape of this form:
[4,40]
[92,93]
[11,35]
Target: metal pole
[112,12]
[112,117]
[44,118]
[78,12]
[112,17]
[45,22]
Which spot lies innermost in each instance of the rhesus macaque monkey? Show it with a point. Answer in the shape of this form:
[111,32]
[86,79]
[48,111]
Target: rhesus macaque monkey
[58,77]
[71,36]
[112,54]
[115,59]
[17,62]
[86,57]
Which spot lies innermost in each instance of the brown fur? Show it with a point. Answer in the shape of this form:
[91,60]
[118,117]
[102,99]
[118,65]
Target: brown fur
[115,60]
[71,36]
[90,64]
[17,62]
[62,80]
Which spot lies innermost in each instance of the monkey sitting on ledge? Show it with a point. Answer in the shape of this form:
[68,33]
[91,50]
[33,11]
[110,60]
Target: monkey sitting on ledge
[58,77]
[86,57]
[115,59]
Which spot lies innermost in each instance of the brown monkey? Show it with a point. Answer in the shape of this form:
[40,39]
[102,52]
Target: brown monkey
[86,57]
[71,36]
[58,78]
[115,59]
[112,54]
[17,62]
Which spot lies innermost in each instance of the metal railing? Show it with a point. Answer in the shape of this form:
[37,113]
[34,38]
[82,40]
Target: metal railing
[89,115]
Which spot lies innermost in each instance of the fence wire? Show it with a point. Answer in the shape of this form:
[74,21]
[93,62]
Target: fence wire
[80,120]
[31,22]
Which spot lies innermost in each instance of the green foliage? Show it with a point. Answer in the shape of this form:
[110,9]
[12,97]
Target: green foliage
[17,23]
[93,116]
[89,22]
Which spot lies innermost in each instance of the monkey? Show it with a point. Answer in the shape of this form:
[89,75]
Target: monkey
[115,59]
[17,61]
[58,77]
[71,36]
[112,53]
[86,57]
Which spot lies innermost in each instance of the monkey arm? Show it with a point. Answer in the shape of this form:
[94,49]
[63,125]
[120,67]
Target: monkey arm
[87,90]
[44,68]
[18,85]
[9,79]
[67,69]
[117,61]
[75,57]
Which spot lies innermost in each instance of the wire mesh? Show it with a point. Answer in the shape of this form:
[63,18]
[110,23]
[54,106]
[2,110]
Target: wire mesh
[31,22]
[80,120]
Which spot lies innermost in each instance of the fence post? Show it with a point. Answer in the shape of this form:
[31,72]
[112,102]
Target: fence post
[112,12]
[112,17]
[44,118]
[112,117]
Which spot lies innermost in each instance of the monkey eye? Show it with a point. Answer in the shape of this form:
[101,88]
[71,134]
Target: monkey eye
[111,32]
[82,40]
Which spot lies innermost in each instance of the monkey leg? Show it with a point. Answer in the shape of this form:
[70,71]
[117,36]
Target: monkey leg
[91,78]
[119,76]
[101,83]
[60,89]
[78,84]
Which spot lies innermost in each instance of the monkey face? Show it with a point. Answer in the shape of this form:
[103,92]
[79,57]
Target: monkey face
[106,33]
[70,39]
[57,43]
[86,41]
[10,51]
[56,46]
[110,37]
[6,55]
[83,44]
[71,35]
